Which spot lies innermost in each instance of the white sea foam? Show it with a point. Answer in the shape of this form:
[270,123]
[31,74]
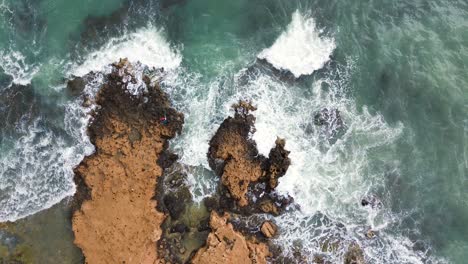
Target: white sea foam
[147,45]
[14,64]
[38,172]
[300,49]
[328,180]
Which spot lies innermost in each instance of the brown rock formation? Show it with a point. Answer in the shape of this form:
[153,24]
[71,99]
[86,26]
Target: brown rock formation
[225,246]
[269,229]
[233,155]
[117,221]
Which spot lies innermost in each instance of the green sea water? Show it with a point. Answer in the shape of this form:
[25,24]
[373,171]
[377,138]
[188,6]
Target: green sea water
[397,73]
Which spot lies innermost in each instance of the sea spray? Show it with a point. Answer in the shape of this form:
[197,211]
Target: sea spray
[146,45]
[300,49]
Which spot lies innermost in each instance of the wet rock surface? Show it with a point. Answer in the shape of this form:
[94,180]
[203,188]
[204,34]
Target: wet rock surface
[233,155]
[269,229]
[117,220]
[186,226]
[133,202]
[239,233]
[76,86]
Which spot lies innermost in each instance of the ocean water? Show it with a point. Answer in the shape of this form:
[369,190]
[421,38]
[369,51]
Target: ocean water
[395,71]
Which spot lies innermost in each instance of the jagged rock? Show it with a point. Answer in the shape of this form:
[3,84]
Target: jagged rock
[269,229]
[233,155]
[224,245]
[116,218]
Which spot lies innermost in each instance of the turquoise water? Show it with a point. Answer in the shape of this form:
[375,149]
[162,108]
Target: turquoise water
[395,70]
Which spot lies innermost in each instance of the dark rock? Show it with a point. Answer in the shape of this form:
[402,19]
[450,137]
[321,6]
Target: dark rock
[364,202]
[371,200]
[137,111]
[277,163]
[211,203]
[166,159]
[246,176]
[204,225]
[331,123]
[76,86]
[175,202]
[180,228]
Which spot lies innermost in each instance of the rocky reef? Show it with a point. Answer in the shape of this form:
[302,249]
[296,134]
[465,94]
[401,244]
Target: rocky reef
[133,202]
[248,178]
[116,220]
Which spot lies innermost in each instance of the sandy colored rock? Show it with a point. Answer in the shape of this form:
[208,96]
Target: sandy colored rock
[233,155]
[224,245]
[269,229]
[118,221]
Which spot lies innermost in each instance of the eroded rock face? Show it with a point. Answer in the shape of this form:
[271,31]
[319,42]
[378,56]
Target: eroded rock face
[224,245]
[117,221]
[233,155]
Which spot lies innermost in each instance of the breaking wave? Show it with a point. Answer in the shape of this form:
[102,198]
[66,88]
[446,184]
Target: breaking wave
[37,172]
[300,49]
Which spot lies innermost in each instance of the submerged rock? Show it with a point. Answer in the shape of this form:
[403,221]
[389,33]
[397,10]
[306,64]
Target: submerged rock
[331,123]
[76,86]
[186,227]
[371,200]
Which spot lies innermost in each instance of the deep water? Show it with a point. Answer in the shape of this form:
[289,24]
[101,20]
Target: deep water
[395,70]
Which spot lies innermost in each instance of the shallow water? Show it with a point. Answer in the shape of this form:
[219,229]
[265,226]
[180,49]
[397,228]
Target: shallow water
[396,71]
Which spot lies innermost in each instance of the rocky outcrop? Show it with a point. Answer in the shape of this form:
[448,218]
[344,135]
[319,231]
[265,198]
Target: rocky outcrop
[248,180]
[224,245]
[117,221]
[233,155]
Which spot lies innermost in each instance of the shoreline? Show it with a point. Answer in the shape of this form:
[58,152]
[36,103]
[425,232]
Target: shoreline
[133,203]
